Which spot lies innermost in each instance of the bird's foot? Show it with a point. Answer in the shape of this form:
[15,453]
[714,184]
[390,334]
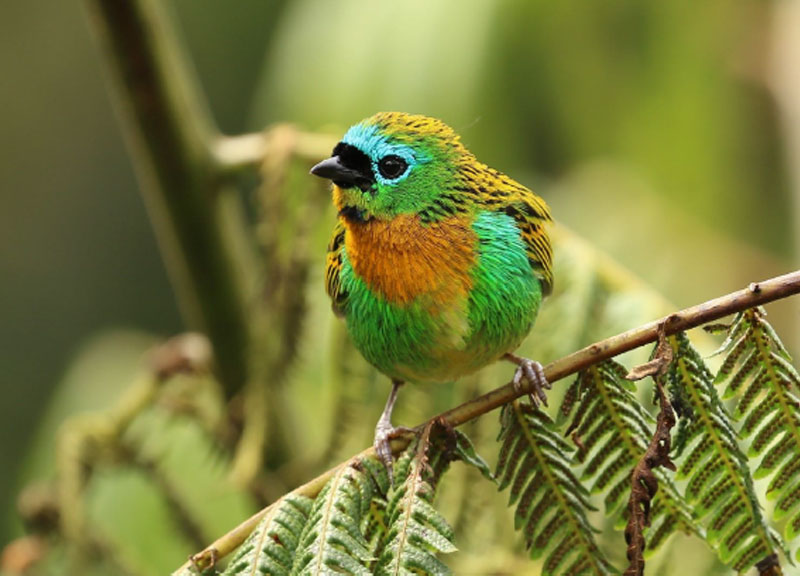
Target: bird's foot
[384,432]
[533,372]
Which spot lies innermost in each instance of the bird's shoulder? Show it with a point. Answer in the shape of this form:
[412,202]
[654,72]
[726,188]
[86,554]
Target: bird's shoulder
[494,191]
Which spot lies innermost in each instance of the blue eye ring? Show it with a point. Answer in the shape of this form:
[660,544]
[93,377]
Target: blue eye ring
[392,166]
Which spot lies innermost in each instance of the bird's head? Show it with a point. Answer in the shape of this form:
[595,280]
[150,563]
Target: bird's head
[391,164]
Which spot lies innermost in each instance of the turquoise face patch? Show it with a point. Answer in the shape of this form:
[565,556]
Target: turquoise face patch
[376,145]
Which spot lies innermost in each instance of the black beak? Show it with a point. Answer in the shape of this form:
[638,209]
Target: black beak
[333,169]
[344,177]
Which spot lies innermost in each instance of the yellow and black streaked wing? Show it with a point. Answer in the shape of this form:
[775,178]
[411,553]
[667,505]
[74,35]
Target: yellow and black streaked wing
[333,269]
[531,216]
[493,190]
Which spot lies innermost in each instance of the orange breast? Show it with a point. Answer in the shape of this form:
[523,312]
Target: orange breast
[403,259]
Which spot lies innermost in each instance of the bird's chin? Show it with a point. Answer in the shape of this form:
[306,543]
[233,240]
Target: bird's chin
[350,203]
[354,214]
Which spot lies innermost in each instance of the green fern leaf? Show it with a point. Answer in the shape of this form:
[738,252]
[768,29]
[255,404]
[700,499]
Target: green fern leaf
[758,372]
[373,523]
[551,502]
[720,486]
[331,541]
[605,399]
[465,451]
[416,531]
[271,547]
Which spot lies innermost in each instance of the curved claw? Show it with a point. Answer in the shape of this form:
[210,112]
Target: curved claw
[384,432]
[533,372]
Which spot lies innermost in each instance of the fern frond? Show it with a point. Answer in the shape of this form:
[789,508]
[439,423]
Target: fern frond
[271,547]
[331,541]
[551,502]
[478,516]
[758,371]
[720,486]
[465,451]
[416,531]
[373,523]
[604,399]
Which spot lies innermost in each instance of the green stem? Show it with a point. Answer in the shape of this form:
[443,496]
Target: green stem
[173,142]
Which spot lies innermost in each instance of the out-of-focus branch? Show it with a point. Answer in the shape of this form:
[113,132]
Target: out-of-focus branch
[756,294]
[173,142]
[246,152]
[185,167]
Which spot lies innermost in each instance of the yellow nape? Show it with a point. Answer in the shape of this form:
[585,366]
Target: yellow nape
[411,128]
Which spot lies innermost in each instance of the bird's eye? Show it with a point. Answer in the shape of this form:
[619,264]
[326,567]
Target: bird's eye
[392,166]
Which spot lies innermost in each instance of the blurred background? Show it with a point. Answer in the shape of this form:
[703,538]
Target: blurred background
[666,134]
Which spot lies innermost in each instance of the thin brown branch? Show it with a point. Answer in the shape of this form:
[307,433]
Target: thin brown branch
[754,295]
[769,566]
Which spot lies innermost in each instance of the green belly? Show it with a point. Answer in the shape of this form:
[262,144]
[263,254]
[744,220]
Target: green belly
[412,343]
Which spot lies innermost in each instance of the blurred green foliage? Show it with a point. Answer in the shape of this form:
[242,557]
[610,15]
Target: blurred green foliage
[651,130]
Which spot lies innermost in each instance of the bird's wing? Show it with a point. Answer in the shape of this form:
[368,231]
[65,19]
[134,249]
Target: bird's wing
[333,268]
[495,191]
[532,215]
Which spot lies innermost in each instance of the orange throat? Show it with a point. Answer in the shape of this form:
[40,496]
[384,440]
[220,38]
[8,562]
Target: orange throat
[403,259]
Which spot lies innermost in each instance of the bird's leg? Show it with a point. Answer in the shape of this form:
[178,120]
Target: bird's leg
[531,371]
[384,431]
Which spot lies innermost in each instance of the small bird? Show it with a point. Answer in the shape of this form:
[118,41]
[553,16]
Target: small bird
[438,263]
